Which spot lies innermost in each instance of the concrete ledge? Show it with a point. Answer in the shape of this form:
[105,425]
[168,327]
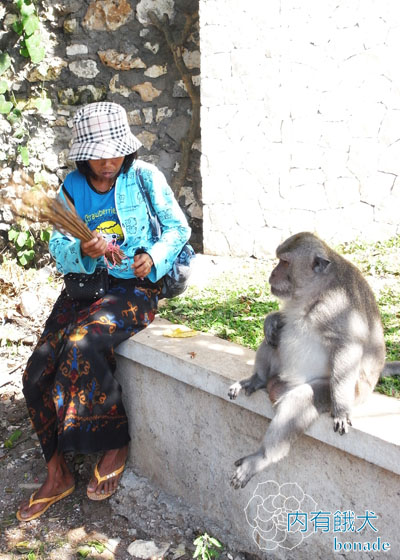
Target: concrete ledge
[212,365]
[186,435]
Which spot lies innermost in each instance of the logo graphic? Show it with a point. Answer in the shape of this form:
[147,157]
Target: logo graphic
[111,231]
[277,514]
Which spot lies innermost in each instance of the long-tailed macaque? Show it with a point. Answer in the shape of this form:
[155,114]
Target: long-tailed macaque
[324,350]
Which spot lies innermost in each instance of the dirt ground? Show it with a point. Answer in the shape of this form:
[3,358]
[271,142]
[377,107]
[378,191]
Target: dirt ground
[75,526]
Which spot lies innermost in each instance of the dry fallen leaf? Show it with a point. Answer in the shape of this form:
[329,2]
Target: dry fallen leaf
[180,332]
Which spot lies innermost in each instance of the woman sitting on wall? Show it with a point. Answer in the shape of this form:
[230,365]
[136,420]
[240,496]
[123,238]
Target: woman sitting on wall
[73,398]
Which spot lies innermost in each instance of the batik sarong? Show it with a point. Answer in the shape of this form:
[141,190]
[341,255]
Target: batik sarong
[73,398]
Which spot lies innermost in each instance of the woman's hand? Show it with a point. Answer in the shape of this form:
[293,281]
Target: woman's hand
[94,248]
[142,264]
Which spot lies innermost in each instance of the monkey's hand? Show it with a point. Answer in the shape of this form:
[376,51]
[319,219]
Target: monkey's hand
[273,324]
[250,385]
[234,390]
[342,423]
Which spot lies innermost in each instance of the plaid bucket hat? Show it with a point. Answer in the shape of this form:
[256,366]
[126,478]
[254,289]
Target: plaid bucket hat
[101,131]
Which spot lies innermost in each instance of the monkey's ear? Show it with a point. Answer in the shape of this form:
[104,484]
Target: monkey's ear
[320,264]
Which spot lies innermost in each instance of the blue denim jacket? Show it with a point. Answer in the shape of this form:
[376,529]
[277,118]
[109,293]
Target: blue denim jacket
[133,217]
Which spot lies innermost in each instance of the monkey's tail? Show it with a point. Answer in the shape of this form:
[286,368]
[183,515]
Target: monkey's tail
[391,369]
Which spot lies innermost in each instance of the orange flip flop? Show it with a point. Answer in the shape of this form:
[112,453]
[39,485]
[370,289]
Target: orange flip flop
[99,479]
[47,501]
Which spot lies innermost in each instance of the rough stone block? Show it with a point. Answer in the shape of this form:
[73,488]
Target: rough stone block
[84,68]
[107,14]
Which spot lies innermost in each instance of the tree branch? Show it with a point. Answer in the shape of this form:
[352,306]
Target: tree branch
[176,48]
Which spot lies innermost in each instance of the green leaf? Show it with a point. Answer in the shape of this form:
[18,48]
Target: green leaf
[215,542]
[34,46]
[25,7]
[99,546]
[24,153]
[5,106]
[12,439]
[3,86]
[23,547]
[12,234]
[83,552]
[18,27]
[25,257]
[23,51]
[198,550]
[31,556]
[30,242]
[20,132]
[5,62]
[45,235]
[22,238]
[14,116]
[30,24]
[42,104]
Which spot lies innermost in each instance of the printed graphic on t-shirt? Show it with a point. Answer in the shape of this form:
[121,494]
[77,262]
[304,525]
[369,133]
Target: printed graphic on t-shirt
[111,231]
[104,218]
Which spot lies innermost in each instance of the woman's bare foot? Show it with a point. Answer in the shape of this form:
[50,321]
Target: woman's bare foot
[111,461]
[59,480]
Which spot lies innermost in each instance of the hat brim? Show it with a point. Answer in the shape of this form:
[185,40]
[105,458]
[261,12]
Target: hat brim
[83,151]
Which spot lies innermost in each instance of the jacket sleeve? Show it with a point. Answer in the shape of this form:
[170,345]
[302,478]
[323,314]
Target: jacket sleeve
[66,251]
[174,226]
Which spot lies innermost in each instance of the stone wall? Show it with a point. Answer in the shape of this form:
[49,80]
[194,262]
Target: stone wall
[300,121]
[108,50]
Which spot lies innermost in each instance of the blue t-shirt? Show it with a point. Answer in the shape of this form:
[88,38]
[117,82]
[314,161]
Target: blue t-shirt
[102,216]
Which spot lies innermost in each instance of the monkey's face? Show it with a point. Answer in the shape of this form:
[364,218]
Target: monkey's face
[280,280]
[299,274]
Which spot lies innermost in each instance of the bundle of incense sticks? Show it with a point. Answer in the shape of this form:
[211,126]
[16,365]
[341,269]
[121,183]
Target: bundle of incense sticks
[36,206]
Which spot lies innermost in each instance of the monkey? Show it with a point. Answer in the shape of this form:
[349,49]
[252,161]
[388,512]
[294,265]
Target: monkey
[323,351]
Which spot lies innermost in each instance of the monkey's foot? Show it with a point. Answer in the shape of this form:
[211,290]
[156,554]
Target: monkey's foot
[341,424]
[244,472]
[234,390]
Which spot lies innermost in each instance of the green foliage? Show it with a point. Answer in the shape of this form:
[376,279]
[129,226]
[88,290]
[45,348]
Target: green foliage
[15,115]
[207,547]
[42,104]
[389,386]
[9,443]
[30,550]
[5,62]
[228,313]
[23,242]
[232,306]
[87,548]
[5,106]
[31,47]
[45,235]
[24,153]
[3,86]
[27,26]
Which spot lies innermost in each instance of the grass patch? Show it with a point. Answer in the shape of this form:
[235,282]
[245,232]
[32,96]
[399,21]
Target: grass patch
[233,305]
[234,316]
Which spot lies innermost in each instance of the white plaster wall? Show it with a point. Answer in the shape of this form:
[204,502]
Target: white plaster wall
[300,121]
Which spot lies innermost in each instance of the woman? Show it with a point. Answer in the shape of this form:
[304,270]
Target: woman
[72,396]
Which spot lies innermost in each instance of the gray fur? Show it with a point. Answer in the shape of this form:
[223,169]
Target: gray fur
[324,350]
